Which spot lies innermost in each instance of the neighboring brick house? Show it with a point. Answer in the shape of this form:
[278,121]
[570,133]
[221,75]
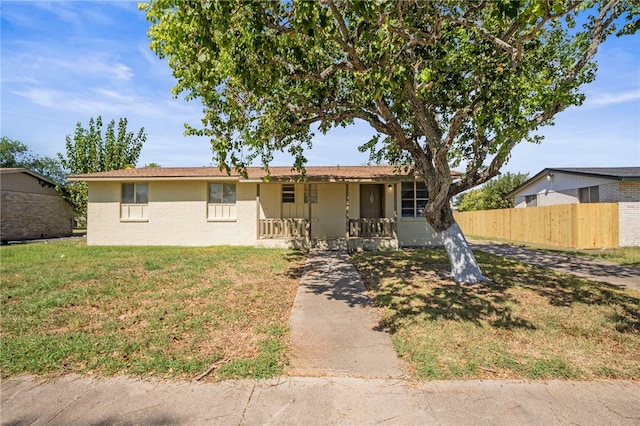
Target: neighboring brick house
[587,185]
[31,208]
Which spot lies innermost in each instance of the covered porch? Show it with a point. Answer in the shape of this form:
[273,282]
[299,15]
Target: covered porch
[331,215]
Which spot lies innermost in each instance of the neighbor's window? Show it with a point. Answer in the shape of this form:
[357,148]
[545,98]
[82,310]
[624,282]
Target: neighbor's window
[531,200]
[135,200]
[414,198]
[288,193]
[311,193]
[222,201]
[590,194]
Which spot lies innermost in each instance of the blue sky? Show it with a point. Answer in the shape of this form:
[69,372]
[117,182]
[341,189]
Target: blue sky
[65,62]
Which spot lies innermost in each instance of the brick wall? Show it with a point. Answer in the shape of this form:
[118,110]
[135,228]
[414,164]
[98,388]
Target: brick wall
[26,216]
[629,196]
[608,193]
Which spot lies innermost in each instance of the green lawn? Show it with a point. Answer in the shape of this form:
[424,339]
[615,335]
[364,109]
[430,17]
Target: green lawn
[161,311]
[174,312]
[529,322]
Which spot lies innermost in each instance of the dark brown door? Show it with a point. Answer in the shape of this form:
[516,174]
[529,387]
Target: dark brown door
[371,206]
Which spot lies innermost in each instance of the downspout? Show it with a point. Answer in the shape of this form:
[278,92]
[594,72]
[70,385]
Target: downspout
[347,215]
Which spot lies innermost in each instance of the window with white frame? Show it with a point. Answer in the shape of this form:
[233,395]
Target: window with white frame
[311,193]
[134,201]
[288,193]
[414,198]
[589,194]
[221,201]
[531,200]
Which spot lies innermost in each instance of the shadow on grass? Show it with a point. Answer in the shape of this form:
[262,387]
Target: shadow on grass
[566,290]
[414,284]
[441,298]
[296,258]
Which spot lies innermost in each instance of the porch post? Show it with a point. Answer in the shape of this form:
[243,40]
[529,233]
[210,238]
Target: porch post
[395,211]
[308,231]
[346,206]
[257,211]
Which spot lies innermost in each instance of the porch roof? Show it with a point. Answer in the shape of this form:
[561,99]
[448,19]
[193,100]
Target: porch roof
[255,174]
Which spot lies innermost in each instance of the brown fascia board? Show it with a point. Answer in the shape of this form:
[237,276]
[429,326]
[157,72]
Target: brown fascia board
[255,174]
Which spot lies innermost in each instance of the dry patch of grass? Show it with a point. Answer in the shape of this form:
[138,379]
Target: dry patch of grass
[162,311]
[529,322]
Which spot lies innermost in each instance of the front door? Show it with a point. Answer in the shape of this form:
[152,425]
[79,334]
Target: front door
[371,205]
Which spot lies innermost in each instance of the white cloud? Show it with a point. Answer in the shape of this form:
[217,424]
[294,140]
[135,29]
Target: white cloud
[42,66]
[601,100]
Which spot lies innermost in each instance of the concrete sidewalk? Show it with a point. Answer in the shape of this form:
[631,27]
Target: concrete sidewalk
[595,270]
[334,329]
[72,400]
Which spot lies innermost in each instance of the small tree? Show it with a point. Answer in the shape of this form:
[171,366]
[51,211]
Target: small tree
[442,82]
[90,151]
[470,200]
[491,195]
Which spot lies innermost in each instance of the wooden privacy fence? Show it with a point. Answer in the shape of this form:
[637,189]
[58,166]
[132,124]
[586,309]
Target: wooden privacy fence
[593,225]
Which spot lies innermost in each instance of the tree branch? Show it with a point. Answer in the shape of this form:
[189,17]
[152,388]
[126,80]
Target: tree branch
[345,41]
[501,44]
[322,77]
[598,35]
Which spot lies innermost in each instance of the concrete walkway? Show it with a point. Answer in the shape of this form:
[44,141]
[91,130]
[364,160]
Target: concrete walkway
[72,400]
[596,270]
[334,329]
[335,337]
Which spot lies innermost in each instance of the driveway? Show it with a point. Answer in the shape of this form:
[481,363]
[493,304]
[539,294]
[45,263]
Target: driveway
[595,270]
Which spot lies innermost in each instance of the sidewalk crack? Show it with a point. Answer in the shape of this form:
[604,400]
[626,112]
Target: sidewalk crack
[246,406]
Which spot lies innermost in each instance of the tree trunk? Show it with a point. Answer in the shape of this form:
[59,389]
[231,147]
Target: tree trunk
[464,266]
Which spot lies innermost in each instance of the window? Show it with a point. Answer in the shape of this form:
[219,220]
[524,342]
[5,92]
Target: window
[288,193]
[311,193]
[222,193]
[222,201]
[590,194]
[135,200]
[414,198]
[135,193]
[531,200]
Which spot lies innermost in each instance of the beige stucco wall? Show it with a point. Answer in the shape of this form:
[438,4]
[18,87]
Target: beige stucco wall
[175,215]
[416,232]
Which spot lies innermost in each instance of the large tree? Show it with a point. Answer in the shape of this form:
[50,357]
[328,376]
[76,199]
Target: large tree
[443,83]
[90,151]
